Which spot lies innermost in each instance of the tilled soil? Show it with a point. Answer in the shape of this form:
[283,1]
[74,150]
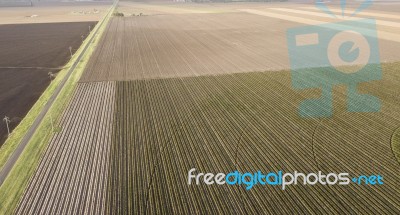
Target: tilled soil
[28,53]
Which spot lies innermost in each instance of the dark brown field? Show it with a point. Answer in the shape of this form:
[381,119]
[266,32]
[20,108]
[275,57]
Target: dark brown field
[28,53]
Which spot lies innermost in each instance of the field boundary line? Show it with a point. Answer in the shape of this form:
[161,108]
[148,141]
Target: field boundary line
[31,67]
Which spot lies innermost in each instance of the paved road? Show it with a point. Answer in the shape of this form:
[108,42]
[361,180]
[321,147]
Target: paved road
[18,151]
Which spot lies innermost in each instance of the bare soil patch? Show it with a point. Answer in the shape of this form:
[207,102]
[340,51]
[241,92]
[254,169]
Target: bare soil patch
[28,53]
[195,44]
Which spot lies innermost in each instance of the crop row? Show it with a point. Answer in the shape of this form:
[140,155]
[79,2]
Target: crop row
[187,45]
[126,147]
[248,122]
[72,174]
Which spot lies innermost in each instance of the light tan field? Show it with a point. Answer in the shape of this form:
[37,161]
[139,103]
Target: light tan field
[135,8]
[132,7]
[181,40]
[188,45]
[52,13]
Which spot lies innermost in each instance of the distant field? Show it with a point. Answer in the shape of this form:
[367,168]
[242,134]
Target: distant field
[188,45]
[174,44]
[29,52]
[48,12]
[15,3]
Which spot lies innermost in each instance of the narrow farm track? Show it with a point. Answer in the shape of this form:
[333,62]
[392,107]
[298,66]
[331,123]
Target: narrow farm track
[72,174]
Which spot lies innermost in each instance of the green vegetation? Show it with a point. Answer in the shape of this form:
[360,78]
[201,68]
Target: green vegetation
[116,13]
[244,121]
[14,185]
